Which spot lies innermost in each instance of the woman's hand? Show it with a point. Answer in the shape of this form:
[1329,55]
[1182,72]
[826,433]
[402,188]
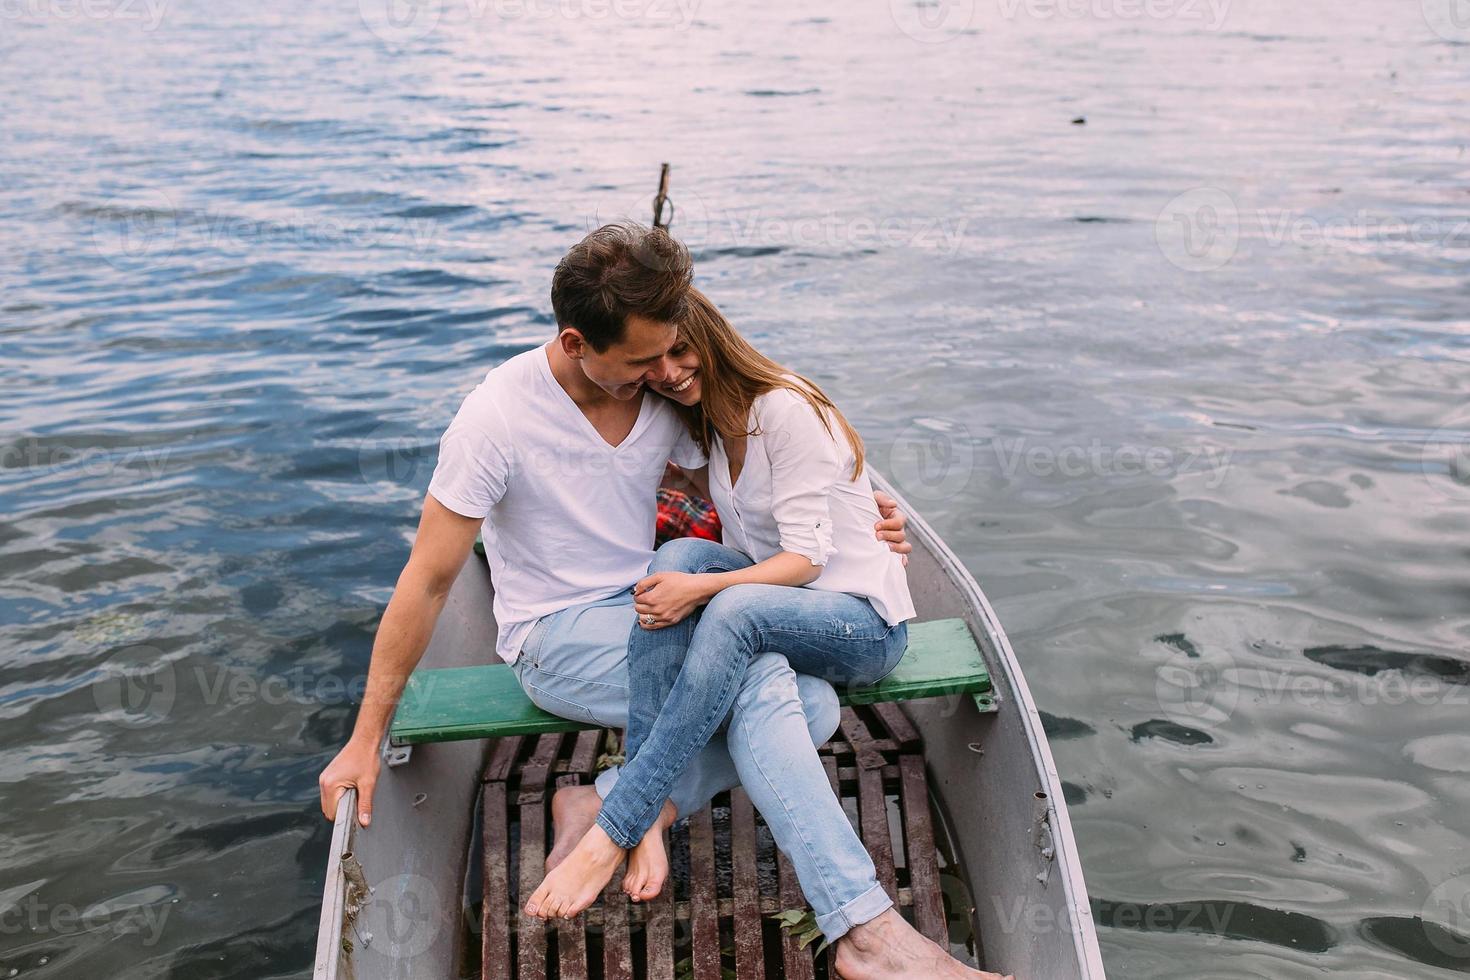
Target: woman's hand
[669,597]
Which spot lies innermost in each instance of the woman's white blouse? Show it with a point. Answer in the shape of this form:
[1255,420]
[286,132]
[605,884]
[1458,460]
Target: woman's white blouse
[795,493]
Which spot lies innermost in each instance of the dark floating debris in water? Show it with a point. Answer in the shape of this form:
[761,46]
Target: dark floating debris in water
[1372,661]
[1170,732]
[1057,727]
[1420,940]
[1298,853]
[1074,795]
[1179,642]
[1233,920]
[1080,121]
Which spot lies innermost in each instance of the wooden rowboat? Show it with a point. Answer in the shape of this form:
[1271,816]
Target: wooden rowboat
[398,895]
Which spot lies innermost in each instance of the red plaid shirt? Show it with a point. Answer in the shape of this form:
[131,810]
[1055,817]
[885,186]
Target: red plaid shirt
[682,515]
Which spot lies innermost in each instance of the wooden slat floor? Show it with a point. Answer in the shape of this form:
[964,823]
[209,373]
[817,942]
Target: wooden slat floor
[715,917]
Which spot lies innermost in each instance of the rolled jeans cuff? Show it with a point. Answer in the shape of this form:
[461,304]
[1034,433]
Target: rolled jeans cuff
[865,908]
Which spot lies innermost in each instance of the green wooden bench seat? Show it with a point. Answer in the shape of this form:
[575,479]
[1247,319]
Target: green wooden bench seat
[487,701]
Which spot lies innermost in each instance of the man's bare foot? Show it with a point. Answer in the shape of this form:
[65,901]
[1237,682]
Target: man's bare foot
[575,883]
[648,863]
[888,947]
[573,812]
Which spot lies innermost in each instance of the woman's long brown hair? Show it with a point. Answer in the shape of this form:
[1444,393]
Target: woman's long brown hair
[733,374]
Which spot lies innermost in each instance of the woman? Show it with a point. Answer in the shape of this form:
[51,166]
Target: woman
[801,573]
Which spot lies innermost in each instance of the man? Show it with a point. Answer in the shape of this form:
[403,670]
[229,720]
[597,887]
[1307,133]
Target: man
[556,459]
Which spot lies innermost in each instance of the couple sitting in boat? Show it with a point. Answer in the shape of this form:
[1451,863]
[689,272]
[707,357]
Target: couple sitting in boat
[717,659]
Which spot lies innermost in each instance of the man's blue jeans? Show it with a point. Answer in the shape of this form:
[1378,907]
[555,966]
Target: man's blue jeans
[684,680]
[574,663]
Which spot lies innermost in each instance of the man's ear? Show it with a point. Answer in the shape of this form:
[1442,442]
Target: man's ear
[573,344]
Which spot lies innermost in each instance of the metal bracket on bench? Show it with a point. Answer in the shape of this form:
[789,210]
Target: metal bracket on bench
[399,754]
[987,703]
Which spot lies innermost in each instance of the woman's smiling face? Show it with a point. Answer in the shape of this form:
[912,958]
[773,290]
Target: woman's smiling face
[684,386]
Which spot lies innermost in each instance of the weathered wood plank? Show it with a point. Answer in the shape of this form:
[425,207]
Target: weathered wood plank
[571,939]
[531,931]
[495,917]
[503,759]
[584,754]
[900,729]
[617,952]
[856,732]
[750,957]
[659,932]
[536,770]
[873,812]
[919,840]
[796,961]
[704,908]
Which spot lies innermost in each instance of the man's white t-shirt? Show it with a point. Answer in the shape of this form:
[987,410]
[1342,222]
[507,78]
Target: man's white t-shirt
[568,518]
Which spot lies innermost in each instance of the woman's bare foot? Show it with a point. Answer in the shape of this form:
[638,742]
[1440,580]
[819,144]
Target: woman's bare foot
[574,810]
[575,883]
[648,863]
[888,947]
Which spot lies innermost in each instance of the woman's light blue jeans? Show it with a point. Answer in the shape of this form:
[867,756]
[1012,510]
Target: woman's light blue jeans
[682,682]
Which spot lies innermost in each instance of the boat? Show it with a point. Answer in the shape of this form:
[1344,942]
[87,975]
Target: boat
[397,896]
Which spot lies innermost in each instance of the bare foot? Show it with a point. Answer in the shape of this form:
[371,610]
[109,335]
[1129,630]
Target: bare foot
[575,883]
[648,863]
[573,812]
[888,947]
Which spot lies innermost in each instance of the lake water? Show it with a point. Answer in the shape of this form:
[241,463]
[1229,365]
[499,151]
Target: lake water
[1184,384]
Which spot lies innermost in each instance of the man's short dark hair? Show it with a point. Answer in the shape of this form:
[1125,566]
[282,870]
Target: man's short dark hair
[617,270]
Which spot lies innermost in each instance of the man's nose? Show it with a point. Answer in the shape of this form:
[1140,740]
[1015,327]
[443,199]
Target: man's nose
[661,371]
